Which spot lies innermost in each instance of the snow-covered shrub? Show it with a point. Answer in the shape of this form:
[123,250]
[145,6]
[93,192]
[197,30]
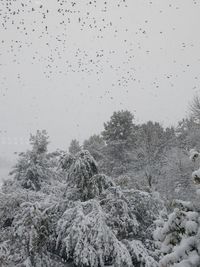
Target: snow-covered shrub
[28,240]
[26,226]
[26,236]
[31,230]
[140,254]
[179,236]
[123,181]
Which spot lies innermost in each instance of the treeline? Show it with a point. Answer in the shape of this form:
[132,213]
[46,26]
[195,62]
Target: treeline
[98,204]
[145,156]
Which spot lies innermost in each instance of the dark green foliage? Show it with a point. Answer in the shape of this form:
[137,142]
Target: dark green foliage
[119,128]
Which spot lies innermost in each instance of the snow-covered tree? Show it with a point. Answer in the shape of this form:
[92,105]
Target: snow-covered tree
[95,145]
[119,128]
[174,180]
[39,142]
[153,141]
[33,167]
[99,225]
[119,135]
[85,238]
[195,108]
[188,134]
[26,241]
[27,225]
[94,234]
[83,218]
[31,231]
[74,147]
[81,171]
[65,161]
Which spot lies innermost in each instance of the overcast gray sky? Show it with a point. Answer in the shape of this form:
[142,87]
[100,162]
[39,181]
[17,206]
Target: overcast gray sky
[66,66]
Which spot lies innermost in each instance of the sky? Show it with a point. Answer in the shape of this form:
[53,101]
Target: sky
[65,66]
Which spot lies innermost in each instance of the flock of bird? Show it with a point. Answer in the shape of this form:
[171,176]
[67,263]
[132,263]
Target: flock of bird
[45,29]
[33,20]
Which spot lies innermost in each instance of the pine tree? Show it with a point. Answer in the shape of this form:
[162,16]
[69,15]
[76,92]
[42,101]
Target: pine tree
[39,142]
[119,128]
[74,147]
[119,135]
[33,168]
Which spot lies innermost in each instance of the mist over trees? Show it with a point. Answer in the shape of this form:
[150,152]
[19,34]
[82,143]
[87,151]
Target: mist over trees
[127,196]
